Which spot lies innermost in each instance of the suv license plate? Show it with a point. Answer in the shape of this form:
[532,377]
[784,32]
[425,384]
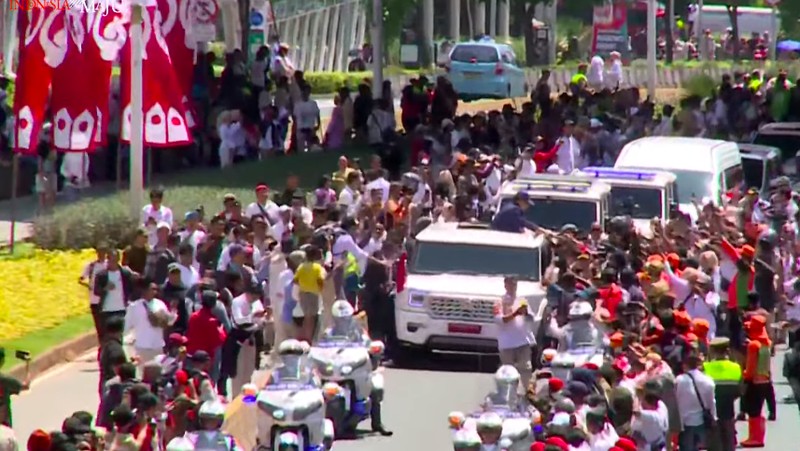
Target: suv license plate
[455,328]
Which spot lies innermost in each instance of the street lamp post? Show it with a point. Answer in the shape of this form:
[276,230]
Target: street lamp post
[652,5]
[377,49]
[137,115]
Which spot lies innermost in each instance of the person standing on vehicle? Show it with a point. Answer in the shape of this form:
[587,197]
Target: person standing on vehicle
[515,332]
[511,218]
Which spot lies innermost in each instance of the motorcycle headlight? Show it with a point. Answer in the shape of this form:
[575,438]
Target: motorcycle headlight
[278,414]
[346,370]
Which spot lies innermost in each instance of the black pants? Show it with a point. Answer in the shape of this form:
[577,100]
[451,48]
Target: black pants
[379,306]
[754,397]
[794,384]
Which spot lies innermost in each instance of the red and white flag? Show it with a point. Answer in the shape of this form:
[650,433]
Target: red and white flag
[164,111]
[37,55]
[177,30]
[73,102]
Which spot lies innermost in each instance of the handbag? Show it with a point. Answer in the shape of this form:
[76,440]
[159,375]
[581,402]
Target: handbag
[708,416]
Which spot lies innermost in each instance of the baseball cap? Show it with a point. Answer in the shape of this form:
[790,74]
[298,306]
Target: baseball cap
[200,356]
[173,267]
[177,339]
[522,195]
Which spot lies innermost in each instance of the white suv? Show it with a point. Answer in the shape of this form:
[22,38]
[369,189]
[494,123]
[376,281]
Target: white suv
[455,275]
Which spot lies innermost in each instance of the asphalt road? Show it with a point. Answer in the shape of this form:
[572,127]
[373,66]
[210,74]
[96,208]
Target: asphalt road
[416,406]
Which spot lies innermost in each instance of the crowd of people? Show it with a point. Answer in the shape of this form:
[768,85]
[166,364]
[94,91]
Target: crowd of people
[689,314]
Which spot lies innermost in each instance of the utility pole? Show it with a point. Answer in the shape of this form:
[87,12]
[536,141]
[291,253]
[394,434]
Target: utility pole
[377,48]
[652,5]
[137,115]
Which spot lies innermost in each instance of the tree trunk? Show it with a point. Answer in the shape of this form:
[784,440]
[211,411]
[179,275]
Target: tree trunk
[733,13]
[518,10]
[530,44]
[670,39]
[470,25]
[425,50]
[244,22]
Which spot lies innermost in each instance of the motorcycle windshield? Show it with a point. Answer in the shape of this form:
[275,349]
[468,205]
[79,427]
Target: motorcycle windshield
[583,349]
[286,386]
[339,342]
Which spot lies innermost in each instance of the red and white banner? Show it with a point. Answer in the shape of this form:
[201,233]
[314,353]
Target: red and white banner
[164,110]
[108,31]
[37,55]
[73,102]
[176,28]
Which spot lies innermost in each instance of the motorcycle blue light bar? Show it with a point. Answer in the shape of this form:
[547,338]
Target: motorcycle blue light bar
[612,173]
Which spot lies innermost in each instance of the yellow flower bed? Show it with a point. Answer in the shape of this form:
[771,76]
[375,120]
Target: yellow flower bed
[41,291]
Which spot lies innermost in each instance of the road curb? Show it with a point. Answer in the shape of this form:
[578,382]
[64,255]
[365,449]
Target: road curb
[63,353]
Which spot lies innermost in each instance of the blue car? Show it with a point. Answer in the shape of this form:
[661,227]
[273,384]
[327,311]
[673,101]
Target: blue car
[485,69]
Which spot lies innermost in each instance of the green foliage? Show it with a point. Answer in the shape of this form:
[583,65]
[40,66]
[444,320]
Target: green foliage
[700,85]
[107,219]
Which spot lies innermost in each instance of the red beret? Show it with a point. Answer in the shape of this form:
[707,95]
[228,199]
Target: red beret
[626,444]
[558,441]
[591,366]
[181,377]
[39,440]
[555,384]
[538,446]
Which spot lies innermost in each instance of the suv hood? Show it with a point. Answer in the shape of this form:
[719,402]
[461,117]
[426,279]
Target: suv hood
[469,285]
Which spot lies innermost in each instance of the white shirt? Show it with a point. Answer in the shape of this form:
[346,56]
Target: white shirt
[699,307]
[595,74]
[196,237]
[614,77]
[565,155]
[306,114]
[344,244]
[651,424]
[381,184]
[115,300]
[146,335]
[189,276]
[604,440]
[163,214]
[89,273]
[305,214]
[688,403]
[269,207]
[277,231]
[243,311]
[516,333]
[349,198]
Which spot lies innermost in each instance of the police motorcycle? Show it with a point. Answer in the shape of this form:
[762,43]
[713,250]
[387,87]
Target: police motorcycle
[505,421]
[291,404]
[580,341]
[348,364]
[209,437]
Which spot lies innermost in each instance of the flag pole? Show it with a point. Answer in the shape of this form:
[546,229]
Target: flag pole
[137,126]
[12,233]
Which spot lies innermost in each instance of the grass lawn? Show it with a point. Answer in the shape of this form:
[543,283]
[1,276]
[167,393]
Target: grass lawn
[43,340]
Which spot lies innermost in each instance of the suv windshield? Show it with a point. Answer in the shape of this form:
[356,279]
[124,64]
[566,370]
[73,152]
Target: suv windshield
[753,169]
[636,202]
[554,213]
[692,184]
[472,259]
[465,53]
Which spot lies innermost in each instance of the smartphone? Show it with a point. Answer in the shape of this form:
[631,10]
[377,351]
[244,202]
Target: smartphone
[23,355]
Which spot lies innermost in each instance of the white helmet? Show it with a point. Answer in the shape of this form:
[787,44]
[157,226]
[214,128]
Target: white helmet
[180,444]
[489,420]
[580,310]
[288,441]
[506,378]
[292,347]
[212,410]
[342,313]
[466,438]
[342,309]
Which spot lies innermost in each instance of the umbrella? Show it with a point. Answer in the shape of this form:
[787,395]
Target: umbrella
[789,46]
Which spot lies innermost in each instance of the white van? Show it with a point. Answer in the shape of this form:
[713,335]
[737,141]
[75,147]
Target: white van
[705,169]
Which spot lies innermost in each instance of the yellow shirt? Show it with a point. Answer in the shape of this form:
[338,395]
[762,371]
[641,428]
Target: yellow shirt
[310,276]
[339,179]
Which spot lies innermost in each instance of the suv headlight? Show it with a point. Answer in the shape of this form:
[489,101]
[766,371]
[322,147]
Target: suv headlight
[416,300]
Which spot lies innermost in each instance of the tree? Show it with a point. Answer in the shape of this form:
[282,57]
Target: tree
[670,42]
[733,12]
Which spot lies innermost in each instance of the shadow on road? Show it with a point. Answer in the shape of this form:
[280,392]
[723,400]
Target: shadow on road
[450,362]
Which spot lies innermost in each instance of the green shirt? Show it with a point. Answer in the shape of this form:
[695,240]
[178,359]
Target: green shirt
[8,386]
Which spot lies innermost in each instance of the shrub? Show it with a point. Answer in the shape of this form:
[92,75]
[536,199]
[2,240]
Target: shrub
[106,220]
[41,290]
[700,85]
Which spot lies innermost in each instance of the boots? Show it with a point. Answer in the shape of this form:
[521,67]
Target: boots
[375,419]
[757,428]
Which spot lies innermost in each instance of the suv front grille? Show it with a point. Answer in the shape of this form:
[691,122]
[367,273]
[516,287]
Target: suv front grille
[474,310]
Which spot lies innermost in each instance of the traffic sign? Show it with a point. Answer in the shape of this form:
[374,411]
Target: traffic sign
[256,19]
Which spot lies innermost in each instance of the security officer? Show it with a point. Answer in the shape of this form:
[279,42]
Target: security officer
[210,436]
[727,376]
[578,82]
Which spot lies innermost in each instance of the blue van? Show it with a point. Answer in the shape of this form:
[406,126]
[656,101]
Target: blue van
[485,69]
